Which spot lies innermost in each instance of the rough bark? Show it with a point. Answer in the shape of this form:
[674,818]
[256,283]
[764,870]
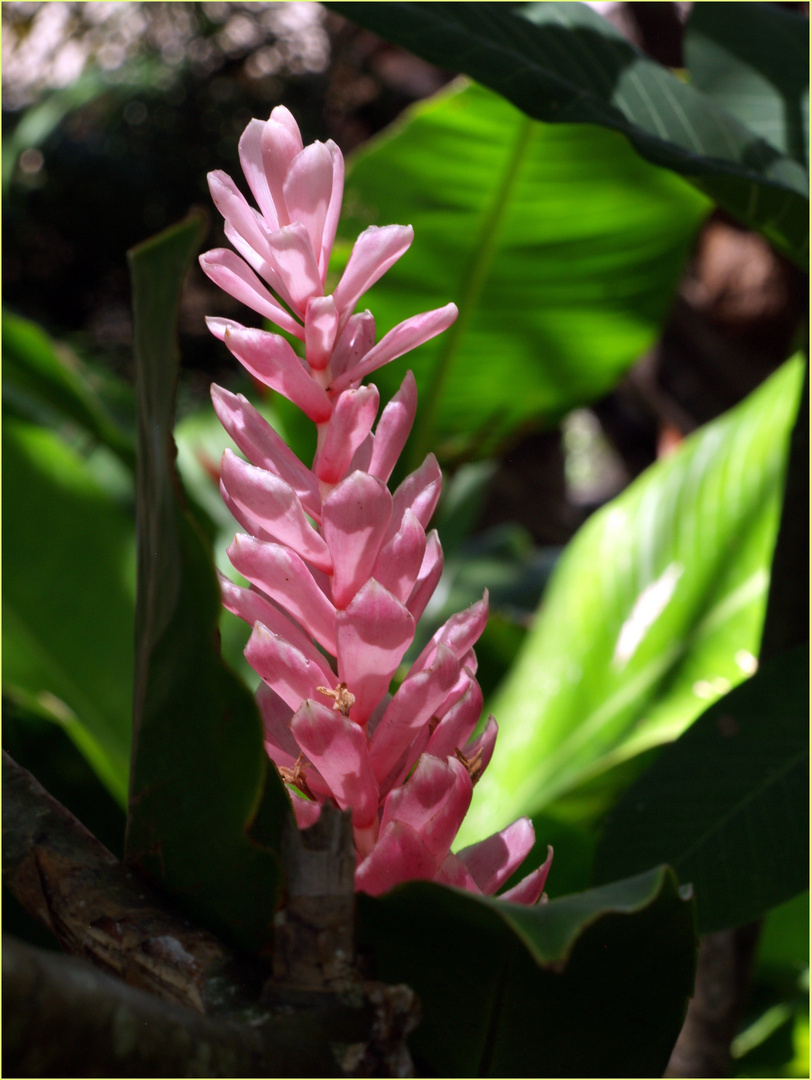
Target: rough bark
[62,1017]
[206,1010]
[98,909]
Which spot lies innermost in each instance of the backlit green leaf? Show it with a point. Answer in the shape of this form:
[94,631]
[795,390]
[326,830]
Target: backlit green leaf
[68,603]
[654,610]
[560,247]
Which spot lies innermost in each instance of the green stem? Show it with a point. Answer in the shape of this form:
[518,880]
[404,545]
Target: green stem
[471,289]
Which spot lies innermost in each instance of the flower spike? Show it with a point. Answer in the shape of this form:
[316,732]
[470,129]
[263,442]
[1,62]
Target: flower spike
[340,567]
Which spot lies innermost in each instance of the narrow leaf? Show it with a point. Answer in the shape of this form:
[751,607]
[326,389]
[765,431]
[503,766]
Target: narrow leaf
[200,777]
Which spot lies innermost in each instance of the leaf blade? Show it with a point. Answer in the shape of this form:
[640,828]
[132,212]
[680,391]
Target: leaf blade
[726,803]
[200,776]
[519,970]
[563,63]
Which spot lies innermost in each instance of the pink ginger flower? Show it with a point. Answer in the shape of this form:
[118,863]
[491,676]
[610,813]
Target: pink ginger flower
[340,568]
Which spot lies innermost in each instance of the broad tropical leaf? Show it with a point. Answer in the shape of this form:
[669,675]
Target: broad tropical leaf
[560,247]
[654,611]
[727,804]
[506,990]
[563,63]
[68,603]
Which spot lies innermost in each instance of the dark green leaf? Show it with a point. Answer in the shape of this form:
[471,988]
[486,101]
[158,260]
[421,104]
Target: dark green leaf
[727,804]
[200,776]
[68,604]
[561,248]
[654,610]
[594,984]
[50,384]
[784,940]
[786,621]
[563,63]
[752,60]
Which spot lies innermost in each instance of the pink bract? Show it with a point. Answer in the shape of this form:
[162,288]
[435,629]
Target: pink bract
[339,567]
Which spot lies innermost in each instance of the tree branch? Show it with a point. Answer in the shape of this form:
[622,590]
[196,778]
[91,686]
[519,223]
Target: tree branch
[315,1017]
[61,1017]
[98,909]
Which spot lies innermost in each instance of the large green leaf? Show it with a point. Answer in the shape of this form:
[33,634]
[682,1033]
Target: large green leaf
[727,804]
[200,776]
[47,382]
[752,60]
[68,603]
[563,63]
[654,610]
[594,984]
[559,245]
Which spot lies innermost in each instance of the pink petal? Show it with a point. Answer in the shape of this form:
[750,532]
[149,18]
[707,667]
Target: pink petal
[272,360]
[274,504]
[307,192]
[337,747]
[259,442]
[286,670]
[250,157]
[428,576]
[234,207]
[492,861]
[530,889]
[375,250]
[334,209]
[454,872]
[354,520]
[399,855]
[281,747]
[260,261]
[244,518]
[393,428]
[419,492]
[400,559]
[353,414]
[433,801]
[354,342]
[373,635]
[402,339]
[281,141]
[250,605]
[363,454]
[460,633]
[293,257]
[320,327]
[410,710]
[220,327]
[283,575]
[483,745]
[455,728]
[307,813]
[234,276]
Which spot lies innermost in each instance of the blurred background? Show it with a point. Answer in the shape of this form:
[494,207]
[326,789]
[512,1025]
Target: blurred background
[113,113]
